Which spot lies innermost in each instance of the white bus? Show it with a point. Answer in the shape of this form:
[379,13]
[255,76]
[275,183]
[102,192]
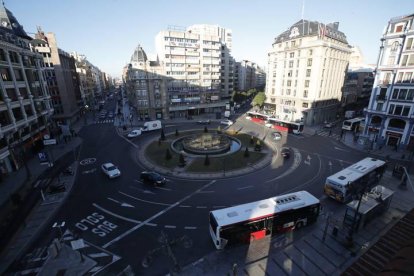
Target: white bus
[365,173]
[255,220]
[352,124]
[282,125]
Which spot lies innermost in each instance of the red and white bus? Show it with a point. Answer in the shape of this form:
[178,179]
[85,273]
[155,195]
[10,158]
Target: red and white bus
[257,117]
[281,125]
[255,220]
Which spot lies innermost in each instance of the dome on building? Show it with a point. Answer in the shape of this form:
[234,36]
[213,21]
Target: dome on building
[138,55]
[10,24]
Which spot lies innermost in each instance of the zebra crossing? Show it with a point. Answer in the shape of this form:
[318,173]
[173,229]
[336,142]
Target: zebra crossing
[33,262]
[327,133]
[108,121]
[102,257]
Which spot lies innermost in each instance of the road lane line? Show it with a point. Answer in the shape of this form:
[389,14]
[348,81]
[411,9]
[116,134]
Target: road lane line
[146,201]
[190,227]
[157,215]
[170,226]
[206,192]
[247,187]
[165,189]
[200,207]
[185,206]
[115,215]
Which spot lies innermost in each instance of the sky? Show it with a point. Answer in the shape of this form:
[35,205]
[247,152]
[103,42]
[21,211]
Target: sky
[108,31]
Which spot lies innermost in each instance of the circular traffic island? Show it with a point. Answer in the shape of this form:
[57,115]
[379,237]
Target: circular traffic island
[198,152]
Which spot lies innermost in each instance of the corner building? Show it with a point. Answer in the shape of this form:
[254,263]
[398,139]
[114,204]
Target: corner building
[390,113]
[25,104]
[306,72]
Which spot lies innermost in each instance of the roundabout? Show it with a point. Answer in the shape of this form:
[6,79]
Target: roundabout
[208,155]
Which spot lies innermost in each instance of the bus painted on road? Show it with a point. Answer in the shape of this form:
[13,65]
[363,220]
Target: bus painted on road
[352,124]
[281,125]
[362,175]
[247,222]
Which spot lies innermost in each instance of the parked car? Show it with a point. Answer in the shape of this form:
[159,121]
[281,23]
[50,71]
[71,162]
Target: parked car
[134,133]
[153,178]
[285,152]
[204,122]
[226,122]
[276,136]
[110,170]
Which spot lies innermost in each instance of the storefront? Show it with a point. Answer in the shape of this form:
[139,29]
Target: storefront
[393,138]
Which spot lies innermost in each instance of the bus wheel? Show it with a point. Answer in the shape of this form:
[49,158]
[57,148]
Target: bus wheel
[299,225]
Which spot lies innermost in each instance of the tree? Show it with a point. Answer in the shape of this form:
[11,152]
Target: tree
[246,152]
[176,132]
[162,135]
[259,99]
[205,129]
[168,154]
[206,161]
[218,129]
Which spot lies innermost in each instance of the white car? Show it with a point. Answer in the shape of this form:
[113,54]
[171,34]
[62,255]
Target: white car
[134,133]
[277,136]
[226,122]
[110,170]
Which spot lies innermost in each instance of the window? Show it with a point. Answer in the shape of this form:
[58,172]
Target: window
[307,83]
[410,95]
[288,92]
[5,74]
[309,62]
[291,64]
[305,93]
[305,105]
[406,111]
[379,106]
[409,43]
[292,55]
[402,94]
[395,94]
[398,28]
[310,52]
[289,83]
[308,72]
[290,73]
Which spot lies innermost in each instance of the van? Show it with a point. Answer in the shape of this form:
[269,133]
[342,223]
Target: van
[151,125]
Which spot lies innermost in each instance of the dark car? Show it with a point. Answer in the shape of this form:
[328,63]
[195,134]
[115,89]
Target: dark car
[204,122]
[285,152]
[153,178]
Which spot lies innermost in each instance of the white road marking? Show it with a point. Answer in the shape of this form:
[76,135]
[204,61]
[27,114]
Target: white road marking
[98,255]
[170,226]
[206,192]
[201,207]
[96,268]
[123,204]
[162,188]
[185,206]
[247,187]
[341,149]
[157,215]
[190,227]
[115,215]
[142,200]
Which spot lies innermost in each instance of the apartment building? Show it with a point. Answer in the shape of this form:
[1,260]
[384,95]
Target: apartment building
[390,113]
[249,76]
[357,88]
[25,104]
[62,79]
[199,69]
[306,72]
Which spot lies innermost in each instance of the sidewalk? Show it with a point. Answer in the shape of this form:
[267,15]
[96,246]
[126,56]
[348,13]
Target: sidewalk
[305,251]
[42,211]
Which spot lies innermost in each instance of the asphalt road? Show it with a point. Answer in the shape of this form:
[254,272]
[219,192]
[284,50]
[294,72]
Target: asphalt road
[126,217]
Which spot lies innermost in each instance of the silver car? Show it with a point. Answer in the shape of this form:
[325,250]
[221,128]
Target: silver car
[110,170]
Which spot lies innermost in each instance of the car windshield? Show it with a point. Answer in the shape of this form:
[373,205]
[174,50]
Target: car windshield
[111,168]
